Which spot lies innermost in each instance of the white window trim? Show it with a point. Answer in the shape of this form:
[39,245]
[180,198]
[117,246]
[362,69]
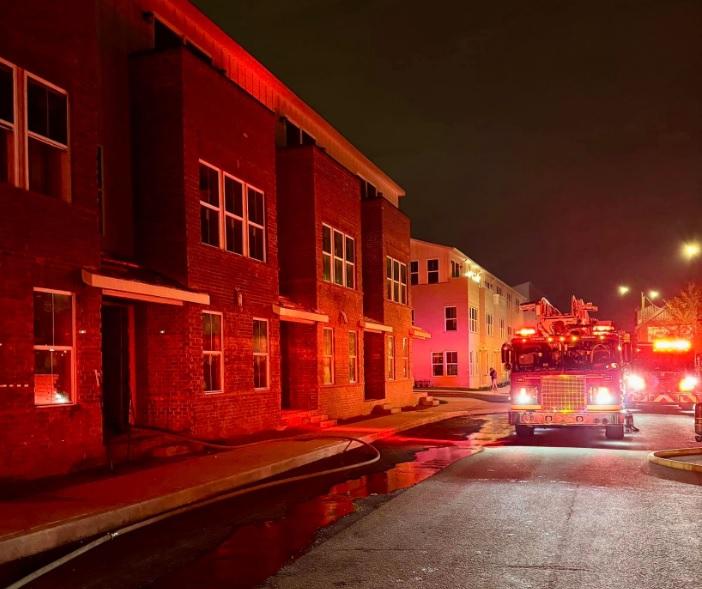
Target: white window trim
[447,319]
[354,356]
[267,354]
[489,324]
[222,224]
[390,355]
[397,282]
[207,205]
[443,364]
[474,324]
[31,135]
[332,356]
[405,357]
[219,353]
[13,126]
[446,362]
[334,257]
[72,348]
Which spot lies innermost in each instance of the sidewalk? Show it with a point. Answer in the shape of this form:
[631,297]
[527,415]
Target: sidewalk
[41,521]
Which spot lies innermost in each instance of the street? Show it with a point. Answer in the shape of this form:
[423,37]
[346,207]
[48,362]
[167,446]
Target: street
[571,509]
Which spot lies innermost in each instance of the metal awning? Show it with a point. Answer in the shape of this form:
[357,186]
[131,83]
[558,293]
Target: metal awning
[127,288]
[419,333]
[295,315]
[375,327]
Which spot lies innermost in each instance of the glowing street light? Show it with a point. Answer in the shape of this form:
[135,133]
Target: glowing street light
[690,250]
[653,294]
[623,290]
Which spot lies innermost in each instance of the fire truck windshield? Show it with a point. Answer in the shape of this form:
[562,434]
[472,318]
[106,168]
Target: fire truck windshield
[583,354]
[663,361]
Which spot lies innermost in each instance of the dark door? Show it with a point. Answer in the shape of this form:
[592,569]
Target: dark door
[115,368]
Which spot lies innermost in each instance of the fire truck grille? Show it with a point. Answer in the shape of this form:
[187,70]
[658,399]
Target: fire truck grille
[563,392]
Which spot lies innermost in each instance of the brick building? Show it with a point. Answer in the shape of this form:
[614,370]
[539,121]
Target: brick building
[469,312]
[184,243]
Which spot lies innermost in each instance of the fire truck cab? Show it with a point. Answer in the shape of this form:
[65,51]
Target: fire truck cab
[566,371]
[664,371]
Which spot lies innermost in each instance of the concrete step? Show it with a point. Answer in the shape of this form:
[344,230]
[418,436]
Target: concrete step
[324,424]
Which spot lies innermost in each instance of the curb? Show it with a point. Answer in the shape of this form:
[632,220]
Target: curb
[42,538]
[664,458]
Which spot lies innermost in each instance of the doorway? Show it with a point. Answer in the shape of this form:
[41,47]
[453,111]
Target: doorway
[117,367]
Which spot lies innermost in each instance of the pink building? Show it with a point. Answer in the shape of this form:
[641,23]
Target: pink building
[469,312]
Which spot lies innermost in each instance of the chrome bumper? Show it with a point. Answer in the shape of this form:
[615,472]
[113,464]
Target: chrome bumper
[576,418]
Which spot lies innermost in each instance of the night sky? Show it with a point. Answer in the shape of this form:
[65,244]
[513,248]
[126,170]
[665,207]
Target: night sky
[552,141]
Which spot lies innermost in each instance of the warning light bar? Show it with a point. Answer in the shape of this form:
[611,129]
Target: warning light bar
[524,331]
[671,345]
[601,328]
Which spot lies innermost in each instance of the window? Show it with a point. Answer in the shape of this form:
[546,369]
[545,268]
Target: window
[7,123]
[209,205]
[233,215]
[437,364]
[47,139]
[455,269]
[390,357]
[338,257]
[368,191]
[294,135]
[395,280]
[450,319]
[474,320]
[233,209]
[256,216]
[432,271]
[260,353]
[353,357]
[53,347]
[328,355]
[451,363]
[405,358]
[212,357]
[414,272]
[502,328]
[488,323]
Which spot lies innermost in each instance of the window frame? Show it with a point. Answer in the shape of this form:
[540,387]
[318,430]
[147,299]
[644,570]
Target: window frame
[434,364]
[345,263]
[27,134]
[405,357]
[432,272]
[393,285]
[207,205]
[266,354]
[473,316]
[220,353]
[13,127]
[447,318]
[390,353]
[489,324]
[222,175]
[447,363]
[353,357]
[414,272]
[330,357]
[71,348]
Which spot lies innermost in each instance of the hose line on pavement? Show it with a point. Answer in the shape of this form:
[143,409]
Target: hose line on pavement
[108,536]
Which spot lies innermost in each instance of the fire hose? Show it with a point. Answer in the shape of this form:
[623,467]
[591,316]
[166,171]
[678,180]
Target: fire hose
[112,535]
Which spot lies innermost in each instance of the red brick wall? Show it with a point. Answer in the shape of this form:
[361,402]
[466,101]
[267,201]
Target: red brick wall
[44,242]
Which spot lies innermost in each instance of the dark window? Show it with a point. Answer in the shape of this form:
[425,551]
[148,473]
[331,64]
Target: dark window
[256,217]
[432,271]
[414,272]
[307,139]
[7,95]
[368,190]
[292,134]
[47,112]
[451,320]
[165,37]
[209,205]
[234,215]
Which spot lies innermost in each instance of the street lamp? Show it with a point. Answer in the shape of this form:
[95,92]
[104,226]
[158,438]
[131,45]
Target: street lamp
[623,290]
[653,294]
[690,250]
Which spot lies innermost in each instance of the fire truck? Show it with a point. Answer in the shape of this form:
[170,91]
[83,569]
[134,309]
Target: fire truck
[664,371]
[566,371]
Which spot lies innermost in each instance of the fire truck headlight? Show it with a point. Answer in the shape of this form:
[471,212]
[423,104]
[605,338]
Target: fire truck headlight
[526,396]
[635,382]
[603,396]
[689,383]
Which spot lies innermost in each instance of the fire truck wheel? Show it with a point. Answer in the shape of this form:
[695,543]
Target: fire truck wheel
[524,431]
[614,432]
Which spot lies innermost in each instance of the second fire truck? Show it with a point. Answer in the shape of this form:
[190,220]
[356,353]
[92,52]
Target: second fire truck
[566,371]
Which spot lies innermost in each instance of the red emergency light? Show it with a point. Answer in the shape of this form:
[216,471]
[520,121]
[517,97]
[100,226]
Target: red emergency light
[525,331]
